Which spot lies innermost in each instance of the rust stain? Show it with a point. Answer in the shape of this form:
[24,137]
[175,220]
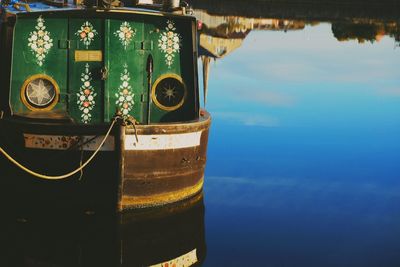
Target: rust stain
[160,199]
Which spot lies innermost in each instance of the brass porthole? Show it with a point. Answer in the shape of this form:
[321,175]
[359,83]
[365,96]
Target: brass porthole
[40,92]
[169,92]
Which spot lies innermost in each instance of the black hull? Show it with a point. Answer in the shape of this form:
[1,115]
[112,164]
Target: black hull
[119,177]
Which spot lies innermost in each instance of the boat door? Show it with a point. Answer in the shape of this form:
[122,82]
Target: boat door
[86,70]
[125,57]
[107,69]
[129,44]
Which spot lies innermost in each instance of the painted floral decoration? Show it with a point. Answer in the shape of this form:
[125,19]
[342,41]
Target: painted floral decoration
[125,34]
[125,95]
[40,41]
[169,43]
[86,95]
[86,33]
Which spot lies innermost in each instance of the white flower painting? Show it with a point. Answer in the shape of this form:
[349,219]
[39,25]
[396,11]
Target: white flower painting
[169,43]
[125,34]
[40,41]
[86,96]
[86,33]
[125,95]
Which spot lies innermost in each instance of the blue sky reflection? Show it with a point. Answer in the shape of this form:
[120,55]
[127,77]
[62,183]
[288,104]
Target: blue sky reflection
[303,162]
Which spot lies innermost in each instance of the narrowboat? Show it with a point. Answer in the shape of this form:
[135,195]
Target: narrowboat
[100,100]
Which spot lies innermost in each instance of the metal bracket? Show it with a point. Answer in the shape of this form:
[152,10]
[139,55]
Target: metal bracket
[63,44]
[67,44]
[144,45]
[104,73]
[147,45]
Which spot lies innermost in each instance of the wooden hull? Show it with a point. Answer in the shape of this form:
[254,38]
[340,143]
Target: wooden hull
[165,164]
[150,166]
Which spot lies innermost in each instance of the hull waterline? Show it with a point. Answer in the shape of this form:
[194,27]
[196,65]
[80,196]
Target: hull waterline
[145,166]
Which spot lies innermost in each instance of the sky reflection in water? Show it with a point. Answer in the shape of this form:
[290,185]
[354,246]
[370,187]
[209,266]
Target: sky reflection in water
[303,160]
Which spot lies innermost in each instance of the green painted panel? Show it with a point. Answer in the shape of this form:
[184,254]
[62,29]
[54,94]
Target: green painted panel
[82,50]
[36,51]
[86,39]
[124,87]
[173,54]
[170,43]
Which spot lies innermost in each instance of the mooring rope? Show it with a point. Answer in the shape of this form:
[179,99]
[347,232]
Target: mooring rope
[60,177]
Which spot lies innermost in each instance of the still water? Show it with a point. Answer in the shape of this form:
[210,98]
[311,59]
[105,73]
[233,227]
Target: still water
[303,161]
[303,157]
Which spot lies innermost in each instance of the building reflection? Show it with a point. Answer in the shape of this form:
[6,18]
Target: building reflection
[168,236]
[222,33]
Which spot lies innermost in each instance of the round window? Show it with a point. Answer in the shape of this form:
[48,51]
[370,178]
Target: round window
[169,92]
[40,92]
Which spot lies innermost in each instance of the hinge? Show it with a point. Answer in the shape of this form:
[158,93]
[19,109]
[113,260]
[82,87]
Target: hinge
[67,44]
[64,44]
[145,45]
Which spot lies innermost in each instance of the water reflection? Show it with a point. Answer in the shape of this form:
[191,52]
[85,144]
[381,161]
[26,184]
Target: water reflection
[304,149]
[169,236]
[222,34]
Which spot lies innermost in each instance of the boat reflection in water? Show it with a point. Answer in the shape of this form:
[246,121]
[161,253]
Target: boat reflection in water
[167,236]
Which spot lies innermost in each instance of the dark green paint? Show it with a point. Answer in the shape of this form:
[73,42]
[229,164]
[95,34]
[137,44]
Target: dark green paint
[182,66]
[24,61]
[61,65]
[77,68]
[116,57]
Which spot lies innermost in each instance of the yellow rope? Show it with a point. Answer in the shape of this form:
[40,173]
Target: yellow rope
[59,177]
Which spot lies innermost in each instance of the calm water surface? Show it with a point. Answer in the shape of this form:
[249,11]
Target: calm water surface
[303,163]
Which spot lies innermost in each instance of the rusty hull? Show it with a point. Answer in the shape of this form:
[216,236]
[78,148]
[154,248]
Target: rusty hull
[157,177]
[118,178]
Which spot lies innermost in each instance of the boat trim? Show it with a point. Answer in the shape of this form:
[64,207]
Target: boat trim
[162,141]
[128,202]
[187,259]
[62,142]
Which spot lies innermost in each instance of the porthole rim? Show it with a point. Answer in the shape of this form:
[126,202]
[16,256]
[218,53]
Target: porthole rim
[153,91]
[24,86]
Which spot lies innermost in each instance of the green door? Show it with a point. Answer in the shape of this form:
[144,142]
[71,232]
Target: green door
[128,46]
[107,69]
[125,53]
[86,70]
[38,56]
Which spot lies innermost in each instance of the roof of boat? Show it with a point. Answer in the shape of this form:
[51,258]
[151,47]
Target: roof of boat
[18,8]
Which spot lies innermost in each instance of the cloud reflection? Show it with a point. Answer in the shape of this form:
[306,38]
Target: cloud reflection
[265,97]
[247,119]
[390,91]
[258,191]
[313,55]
